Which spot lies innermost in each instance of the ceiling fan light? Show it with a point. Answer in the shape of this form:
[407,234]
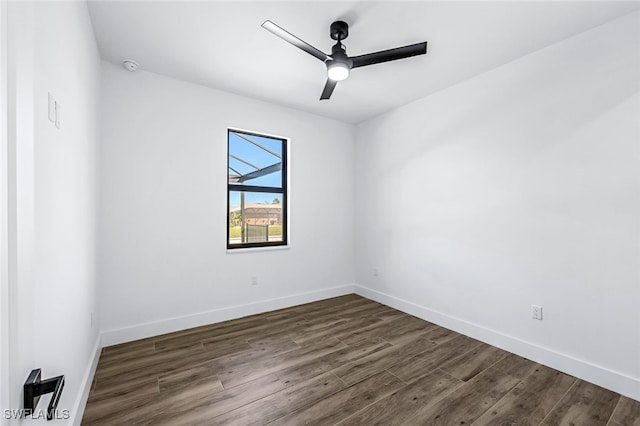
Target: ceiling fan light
[337,71]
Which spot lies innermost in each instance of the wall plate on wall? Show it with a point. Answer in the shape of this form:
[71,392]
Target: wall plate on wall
[52,108]
[57,108]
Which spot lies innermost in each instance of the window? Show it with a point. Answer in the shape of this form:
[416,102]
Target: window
[256,190]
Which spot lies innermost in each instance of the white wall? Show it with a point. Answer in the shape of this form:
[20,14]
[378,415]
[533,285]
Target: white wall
[520,186]
[52,197]
[163,260]
[5,381]
[19,203]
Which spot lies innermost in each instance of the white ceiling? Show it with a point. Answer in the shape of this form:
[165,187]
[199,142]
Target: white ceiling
[221,44]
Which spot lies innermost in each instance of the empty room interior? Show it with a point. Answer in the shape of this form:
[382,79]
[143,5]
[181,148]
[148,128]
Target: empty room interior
[345,212]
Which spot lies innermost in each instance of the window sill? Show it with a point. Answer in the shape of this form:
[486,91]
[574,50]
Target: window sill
[257,249]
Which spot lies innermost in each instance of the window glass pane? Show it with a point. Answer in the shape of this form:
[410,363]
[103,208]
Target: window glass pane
[255,160]
[255,217]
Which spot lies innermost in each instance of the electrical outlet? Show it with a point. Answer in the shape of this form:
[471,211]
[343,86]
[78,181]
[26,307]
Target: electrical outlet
[254,280]
[376,272]
[536,312]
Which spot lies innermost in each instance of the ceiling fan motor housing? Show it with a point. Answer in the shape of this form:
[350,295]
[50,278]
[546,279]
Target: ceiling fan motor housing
[339,55]
[339,30]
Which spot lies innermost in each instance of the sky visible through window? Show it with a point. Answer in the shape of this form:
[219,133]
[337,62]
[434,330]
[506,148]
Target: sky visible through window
[259,158]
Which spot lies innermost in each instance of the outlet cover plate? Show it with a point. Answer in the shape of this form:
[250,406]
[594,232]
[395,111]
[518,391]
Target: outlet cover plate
[536,312]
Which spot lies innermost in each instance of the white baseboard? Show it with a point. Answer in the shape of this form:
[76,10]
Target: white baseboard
[85,385]
[141,331]
[601,376]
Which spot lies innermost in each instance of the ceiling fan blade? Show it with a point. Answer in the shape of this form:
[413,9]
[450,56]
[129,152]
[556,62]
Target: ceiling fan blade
[287,36]
[328,89]
[390,55]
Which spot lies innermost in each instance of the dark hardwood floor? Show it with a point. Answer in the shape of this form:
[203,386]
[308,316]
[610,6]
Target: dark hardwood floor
[347,361]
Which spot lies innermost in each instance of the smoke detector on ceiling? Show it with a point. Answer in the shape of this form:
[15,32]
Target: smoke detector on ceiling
[130,65]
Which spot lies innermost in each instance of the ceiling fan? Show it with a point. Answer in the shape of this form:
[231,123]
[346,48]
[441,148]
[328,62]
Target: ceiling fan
[338,63]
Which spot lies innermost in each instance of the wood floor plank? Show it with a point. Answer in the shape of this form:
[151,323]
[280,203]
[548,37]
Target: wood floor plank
[402,404]
[530,401]
[305,337]
[280,404]
[393,331]
[626,413]
[439,335]
[250,371]
[227,347]
[414,367]
[358,370]
[325,306]
[392,314]
[468,402]
[137,359]
[112,391]
[197,335]
[322,323]
[362,312]
[344,403]
[250,332]
[124,351]
[473,362]
[274,337]
[585,403]
[292,330]
[332,360]
[149,366]
[188,376]
[135,410]
[254,355]
[192,409]
[105,407]
[310,311]
[516,366]
[322,306]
